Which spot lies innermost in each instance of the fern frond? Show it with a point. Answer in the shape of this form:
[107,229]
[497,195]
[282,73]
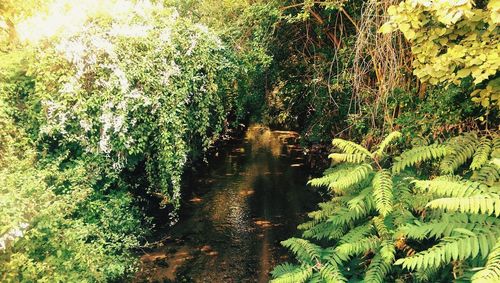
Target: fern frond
[379,267]
[360,246]
[382,230]
[347,216]
[324,230]
[308,224]
[350,147]
[385,143]
[382,191]
[419,154]
[387,250]
[358,207]
[495,151]
[297,274]
[462,149]
[444,227]
[327,209]
[347,157]
[363,202]
[459,247]
[357,233]
[330,273]
[485,204]
[283,269]
[450,187]
[357,175]
[491,271]
[331,175]
[488,174]
[482,153]
[304,250]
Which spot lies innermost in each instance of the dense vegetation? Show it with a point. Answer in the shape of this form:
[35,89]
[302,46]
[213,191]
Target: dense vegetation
[100,121]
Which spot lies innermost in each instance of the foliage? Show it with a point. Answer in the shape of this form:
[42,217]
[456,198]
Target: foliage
[398,223]
[148,87]
[441,113]
[137,91]
[452,40]
[54,226]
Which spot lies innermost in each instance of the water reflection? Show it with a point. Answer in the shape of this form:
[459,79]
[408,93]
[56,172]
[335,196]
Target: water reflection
[232,225]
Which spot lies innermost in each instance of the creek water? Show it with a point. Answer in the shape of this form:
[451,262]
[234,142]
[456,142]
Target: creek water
[235,213]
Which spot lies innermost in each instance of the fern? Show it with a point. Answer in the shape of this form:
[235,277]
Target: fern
[332,175]
[357,175]
[350,147]
[348,157]
[363,245]
[357,233]
[382,192]
[486,204]
[450,187]
[446,225]
[330,273]
[419,154]
[316,265]
[488,174]
[374,212]
[292,274]
[482,153]
[283,269]
[385,143]
[463,245]
[324,230]
[346,216]
[363,202]
[462,149]
[491,272]
[380,266]
[304,250]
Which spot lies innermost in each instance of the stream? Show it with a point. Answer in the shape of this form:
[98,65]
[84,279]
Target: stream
[251,197]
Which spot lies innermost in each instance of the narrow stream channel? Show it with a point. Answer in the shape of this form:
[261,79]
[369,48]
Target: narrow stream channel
[252,196]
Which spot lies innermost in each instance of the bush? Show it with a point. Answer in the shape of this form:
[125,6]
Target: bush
[389,221]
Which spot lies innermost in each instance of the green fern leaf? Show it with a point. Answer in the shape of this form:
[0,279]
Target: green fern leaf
[462,149]
[417,155]
[331,175]
[324,230]
[446,225]
[491,272]
[354,177]
[379,267]
[357,247]
[304,250]
[330,273]
[283,269]
[485,204]
[495,151]
[447,250]
[382,230]
[347,157]
[385,143]
[328,209]
[299,274]
[450,187]
[482,153]
[347,216]
[350,147]
[488,174]
[357,233]
[382,192]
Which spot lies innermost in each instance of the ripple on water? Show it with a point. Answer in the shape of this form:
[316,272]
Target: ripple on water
[233,224]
